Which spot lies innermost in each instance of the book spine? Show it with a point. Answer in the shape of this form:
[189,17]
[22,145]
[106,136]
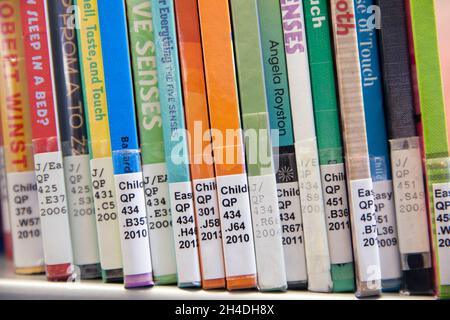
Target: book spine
[380,167]
[270,264]
[231,177]
[102,174]
[311,197]
[362,208]
[48,160]
[6,223]
[423,23]
[331,157]
[200,153]
[74,139]
[142,42]
[280,119]
[129,182]
[20,180]
[176,145]
[406,159]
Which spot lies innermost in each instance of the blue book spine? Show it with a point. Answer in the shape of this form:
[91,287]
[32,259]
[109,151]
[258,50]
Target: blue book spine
[380,167]
[175,141]
[124,141]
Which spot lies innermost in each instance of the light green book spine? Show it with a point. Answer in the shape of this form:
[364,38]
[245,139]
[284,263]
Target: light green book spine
[329,143]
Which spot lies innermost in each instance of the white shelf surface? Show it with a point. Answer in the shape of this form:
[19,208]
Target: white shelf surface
[14,286]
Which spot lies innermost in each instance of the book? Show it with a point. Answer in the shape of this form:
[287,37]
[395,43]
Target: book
[380,167]
[228,148]
[429,81]
[406,158]
[442,10]
[142,45]
[311,197]
[96,112]
[74,141]
[20,182]
[46,142]
[129,182]
[176,145]
[280,119]
[270,266]
[4,206]
[199,143]
[362,206]
[329,141]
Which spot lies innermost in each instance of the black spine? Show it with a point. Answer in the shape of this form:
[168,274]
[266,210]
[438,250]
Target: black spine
[399,99]
[69,94]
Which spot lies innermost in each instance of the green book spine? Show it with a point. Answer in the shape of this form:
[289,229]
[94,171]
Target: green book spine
[261,178]
[329,142]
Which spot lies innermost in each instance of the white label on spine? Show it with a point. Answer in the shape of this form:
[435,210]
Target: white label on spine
[387,230]
[103,188]
[338,215]
[81,210]
[53,208]
[25,220]
[267,232]
[410,205]
[365,230]
[159,219]
[185,232]
[292,231]
[6,223]
[209,233]
[441,198]
[236,224]
[133,223]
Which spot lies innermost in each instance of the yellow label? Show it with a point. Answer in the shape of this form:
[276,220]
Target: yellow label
[15,113]
[94,78]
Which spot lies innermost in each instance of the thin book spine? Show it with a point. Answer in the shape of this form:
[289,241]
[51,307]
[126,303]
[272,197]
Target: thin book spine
[311,197]
[270,264]
[129,182]
[48,158]
[280,119]
[96,112]
[175,139]
[74,141]
[199,142]
[429,81]
[20,182]
[406,158]
[380,166]
[362,206]
[5,216]
[148,107]
[228,149]
[329,140]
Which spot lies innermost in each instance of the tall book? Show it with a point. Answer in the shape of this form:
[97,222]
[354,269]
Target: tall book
[176,144]
[360,186]
[16,123]
[406,158]
[96,112]
[199,142]
[129,182]
[331,153]
[423,23]
[74,141]
[280,119]
[270,264]
[4,205]
[442,9]
[228,148]
[380,166]
[311,196]
[47,149]
[142,42]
